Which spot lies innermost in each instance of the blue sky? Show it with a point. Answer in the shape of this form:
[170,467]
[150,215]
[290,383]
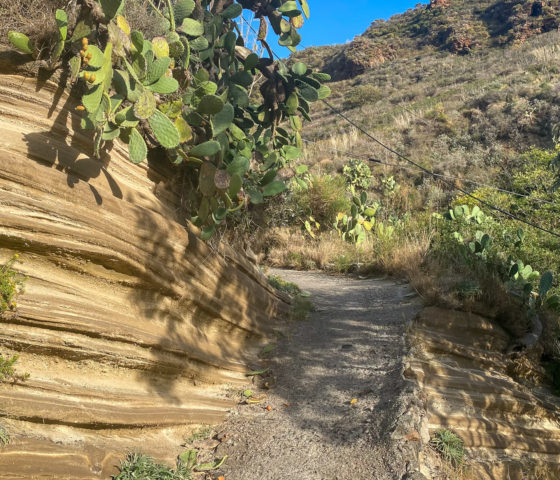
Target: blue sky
[339,21]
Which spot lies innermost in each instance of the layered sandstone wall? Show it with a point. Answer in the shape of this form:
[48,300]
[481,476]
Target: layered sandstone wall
[130,327]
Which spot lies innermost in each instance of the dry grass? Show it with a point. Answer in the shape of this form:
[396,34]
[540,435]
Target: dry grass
[290,248]
[35,18]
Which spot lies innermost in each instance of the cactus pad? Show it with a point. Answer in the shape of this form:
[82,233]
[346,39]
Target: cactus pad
[145,106]
[222,120]
[164,130]
[183,8]
[111,8]
[157,70]
[164,85]
[96,60]
[92,99]
[192,28]
[210,105]
[21,42]
[205,149]
[160,47]
[137,149]
[184,129]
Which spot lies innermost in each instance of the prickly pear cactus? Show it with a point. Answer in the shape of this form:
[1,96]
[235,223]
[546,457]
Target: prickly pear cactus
[189,91]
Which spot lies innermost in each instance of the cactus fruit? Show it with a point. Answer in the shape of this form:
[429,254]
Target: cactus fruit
[164,130]
[80,108]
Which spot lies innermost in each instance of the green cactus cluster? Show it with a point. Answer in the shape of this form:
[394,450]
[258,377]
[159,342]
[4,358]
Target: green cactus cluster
[465,213]
[188,92]
[358,175]
[519,278]
[354,227]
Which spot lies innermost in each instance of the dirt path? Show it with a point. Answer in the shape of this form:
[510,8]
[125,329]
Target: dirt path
[351,347]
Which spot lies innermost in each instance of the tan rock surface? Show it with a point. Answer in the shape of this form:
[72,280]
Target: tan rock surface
[510,431]
[129,326]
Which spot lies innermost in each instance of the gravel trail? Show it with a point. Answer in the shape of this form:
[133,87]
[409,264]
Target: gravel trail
[350,348]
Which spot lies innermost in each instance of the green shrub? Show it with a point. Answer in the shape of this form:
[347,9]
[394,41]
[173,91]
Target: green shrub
[362,95]
[284,286]
[325,197]
[10,285]
[7,370]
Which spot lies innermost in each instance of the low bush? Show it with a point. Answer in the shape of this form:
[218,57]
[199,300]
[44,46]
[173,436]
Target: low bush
[324,198]
[10,285]
[362,95]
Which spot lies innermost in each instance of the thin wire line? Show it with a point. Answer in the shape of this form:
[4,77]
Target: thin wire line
[439,175]
[433,174]
[429,172]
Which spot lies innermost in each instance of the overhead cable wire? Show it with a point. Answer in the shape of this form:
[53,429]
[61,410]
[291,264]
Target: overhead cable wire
[427,171]
[435,175]
[439,175]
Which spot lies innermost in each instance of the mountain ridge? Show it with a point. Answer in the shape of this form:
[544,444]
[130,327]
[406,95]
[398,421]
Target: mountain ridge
[454,26]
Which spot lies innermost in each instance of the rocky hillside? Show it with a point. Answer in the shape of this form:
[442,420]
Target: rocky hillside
[457,26]
[463,87]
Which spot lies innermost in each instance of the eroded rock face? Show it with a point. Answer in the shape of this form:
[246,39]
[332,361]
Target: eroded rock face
[511,431]
[130,327]
[439,3]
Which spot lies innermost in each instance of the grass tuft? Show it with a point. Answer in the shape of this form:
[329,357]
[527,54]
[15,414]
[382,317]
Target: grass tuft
[284,286]
[138,466]
[4,436]
[450,446]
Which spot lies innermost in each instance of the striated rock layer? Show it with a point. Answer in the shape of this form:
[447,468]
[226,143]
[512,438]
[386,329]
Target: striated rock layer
[511,432]
[129,326]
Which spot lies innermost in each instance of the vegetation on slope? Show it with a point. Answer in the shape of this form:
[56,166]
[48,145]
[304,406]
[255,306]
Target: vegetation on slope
[485,114]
